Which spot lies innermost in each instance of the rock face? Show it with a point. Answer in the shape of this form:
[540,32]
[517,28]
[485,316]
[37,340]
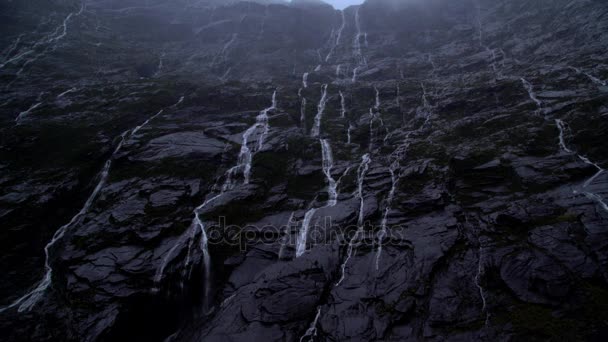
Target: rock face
[425,170]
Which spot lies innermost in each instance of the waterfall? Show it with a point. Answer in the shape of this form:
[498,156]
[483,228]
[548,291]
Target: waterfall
[27,301]
[302,110]
[316,129]
[477,280]
[332,192]
[426,111]
[372,115]
[285,239]
[305,80]
[348,133]
[398,98]
[44,44]
[311,332]
[71,90]
[389,201]
[530,89]
[361,173]
[357,52]
[357,40]
[246,153]
[222,54]
[481,43]
[159,68]
[562,143]
[355,74]
[24,114]
[561,125]
[243,165]
[342,105]
[328,164]
[301,242]
[589,76]
[338,35]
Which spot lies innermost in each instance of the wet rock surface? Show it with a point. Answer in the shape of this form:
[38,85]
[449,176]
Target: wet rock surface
[463,195]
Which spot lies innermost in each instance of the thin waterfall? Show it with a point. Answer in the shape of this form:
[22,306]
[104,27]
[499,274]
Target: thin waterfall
[332,192]
[338,36]
[311,332]
[328,164]
[561,125]
[393,169]
[27,112]
[342,105]
[357,51]
[589,76]
[52,38]
[316,129]
[243,165]
[361,173]
[531,94]
[27,301]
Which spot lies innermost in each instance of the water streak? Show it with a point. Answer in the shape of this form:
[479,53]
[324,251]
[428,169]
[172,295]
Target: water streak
[361,173]
[530,89]
[342,105]
[338,36]
[561,125]
[27,302]
[311,332]
[243,166]
[316,129]
[389,201]
[24,114]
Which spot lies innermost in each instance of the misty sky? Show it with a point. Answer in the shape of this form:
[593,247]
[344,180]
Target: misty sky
[340,4]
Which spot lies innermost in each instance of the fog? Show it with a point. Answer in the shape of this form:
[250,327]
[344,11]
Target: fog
[341,4]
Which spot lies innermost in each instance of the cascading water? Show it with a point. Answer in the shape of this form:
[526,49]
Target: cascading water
[332,192]
[361,173]
[328,164]
[481,43]
[159,68]
[348,133]
[530,90]
[27,301]
[311,332]
[303,236]
[342,105]
[69,91]
[316,129]
[285,239]
[338,37]
[243,166]
[357,52]
[24,114]
[589,76]
[246,153]
[477,280]
[305,80]
[302,110]
[222,54]
[52,38]
[427,110]
[561,125]
[389,201]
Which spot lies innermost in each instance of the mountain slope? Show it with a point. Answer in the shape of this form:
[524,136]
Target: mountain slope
[397,171]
